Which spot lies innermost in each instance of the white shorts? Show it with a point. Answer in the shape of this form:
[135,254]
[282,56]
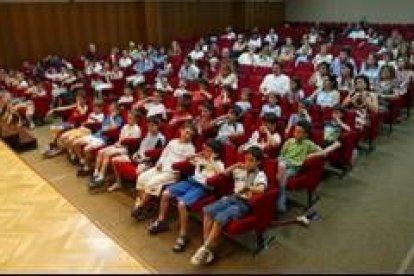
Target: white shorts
[152,181]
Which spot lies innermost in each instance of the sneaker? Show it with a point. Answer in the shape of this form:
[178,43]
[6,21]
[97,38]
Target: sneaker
[202,256]
[157,227]
[114,187]
[54,152]
[46,150]
[32,125]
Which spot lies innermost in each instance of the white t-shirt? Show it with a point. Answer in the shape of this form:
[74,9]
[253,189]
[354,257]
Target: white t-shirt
[255,43]
[230,80]
[322,58]
[196,55]
[279,84]
[248,59]
[271,39]
[155,109]
[128,131]
[125,62]
[243,180]
[267,108]
[227,130]
[205,169]
[174,152]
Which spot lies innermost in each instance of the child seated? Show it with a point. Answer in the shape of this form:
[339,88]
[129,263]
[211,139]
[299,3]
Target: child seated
[294,152]
[83,146]
[127,98]
[229,124]
[181,113]
[151,182]
[332,130]
[162,84]
[152,105]
[79,108]
[201,94]
[188,191]
[205,119]
[65,141]
[154,139]
[271,106]
[300,115]
[266,136]
[244,102]
[248,180]
[223,99]
[129,130]
[181,90]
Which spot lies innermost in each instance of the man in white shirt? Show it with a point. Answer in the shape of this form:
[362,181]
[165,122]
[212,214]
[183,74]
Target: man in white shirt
[272,38]
[248,58]
[276,82]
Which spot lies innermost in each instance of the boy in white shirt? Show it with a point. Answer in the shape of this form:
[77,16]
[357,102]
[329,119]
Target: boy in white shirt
[249,58]
[276,82]
[248,181]
[181,90]
[188,191]
[271,107]
[104,156]
[151,182]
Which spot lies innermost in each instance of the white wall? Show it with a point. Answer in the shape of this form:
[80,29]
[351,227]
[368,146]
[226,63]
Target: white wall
[350,10]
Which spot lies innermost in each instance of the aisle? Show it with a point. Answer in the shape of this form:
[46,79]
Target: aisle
[40,231]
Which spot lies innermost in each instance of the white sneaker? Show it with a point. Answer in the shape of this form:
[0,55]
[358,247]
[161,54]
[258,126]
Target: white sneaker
[114,187]
[202,256]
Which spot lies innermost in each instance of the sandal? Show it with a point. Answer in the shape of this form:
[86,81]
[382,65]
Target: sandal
[180,244]
[157,227]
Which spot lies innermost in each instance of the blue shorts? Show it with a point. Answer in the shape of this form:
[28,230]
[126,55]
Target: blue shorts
[226,209]
[187,191]
[291,170]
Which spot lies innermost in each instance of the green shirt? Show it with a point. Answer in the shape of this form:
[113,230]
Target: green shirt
[297,151]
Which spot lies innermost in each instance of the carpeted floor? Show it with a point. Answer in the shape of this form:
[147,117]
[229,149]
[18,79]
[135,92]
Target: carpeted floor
[366,222]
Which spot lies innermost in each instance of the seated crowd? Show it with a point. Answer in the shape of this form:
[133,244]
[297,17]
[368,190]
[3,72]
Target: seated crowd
[225,105]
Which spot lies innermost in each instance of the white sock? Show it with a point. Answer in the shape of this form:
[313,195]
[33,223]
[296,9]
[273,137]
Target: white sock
[95,173]
[85,167]
[82,161]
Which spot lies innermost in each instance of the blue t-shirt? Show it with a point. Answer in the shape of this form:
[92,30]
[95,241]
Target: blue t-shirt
[117,119]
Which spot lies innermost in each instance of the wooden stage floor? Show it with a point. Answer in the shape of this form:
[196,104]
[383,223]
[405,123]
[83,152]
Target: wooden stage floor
[40,231]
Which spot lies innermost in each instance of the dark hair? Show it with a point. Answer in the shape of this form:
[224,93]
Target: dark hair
[190,126]
[236,110]
[270,117]
[389,68]
[154,120]
[256,152]
[332,79]
[297,81]
[203,82]
[364,78]
[215,145]
[305,125]
[325,64]
[350,66]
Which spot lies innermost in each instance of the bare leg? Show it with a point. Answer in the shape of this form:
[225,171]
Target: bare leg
[164,204]
[183,216]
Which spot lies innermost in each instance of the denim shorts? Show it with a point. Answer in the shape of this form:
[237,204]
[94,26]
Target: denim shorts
[187,191]
[226,209]
[291,170]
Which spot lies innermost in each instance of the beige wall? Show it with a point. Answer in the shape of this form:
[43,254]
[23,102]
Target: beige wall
[350,10]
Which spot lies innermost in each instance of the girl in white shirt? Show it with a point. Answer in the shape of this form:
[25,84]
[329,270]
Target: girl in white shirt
[151,182]
[125,61]
[322,56]
[266,136]
[128,131]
